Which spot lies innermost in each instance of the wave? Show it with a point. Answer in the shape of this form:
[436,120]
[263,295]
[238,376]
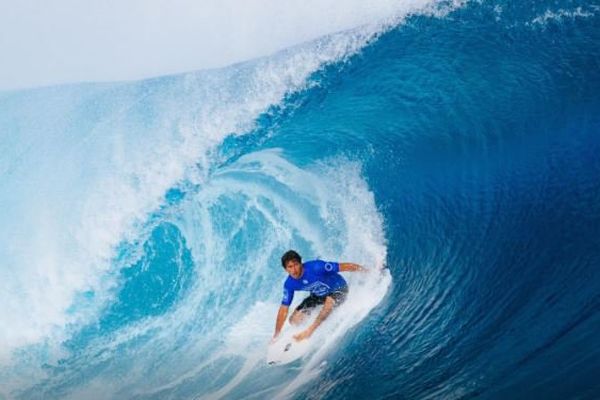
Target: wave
[459,152]
[87,165]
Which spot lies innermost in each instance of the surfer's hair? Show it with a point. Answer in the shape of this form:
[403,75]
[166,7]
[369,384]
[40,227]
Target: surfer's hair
[289,256]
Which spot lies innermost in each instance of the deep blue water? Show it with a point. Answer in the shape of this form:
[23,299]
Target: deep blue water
[460,151]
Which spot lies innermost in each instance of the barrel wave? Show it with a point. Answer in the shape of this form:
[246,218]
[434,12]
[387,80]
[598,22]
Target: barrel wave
[451,148]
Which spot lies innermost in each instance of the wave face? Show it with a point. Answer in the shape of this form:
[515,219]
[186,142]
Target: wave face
[453,147]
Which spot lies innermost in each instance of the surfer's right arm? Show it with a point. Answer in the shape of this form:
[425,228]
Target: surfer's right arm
[281,316]
[288,296]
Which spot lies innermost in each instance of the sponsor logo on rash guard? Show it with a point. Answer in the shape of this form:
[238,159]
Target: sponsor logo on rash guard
[318,288]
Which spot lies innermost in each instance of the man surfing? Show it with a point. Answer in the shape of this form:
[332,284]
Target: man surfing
[326,286]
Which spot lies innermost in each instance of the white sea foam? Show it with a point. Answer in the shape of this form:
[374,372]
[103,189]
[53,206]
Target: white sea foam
[563,14]
[229,313]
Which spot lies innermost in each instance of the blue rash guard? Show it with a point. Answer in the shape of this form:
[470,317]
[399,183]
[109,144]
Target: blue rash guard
[320,278]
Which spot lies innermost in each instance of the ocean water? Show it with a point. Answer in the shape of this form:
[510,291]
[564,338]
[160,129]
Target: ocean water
[453,148]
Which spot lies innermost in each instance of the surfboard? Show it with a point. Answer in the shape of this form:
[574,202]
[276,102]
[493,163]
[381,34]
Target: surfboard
[286,349]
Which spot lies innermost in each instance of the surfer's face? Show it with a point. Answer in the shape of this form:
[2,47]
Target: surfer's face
[294,268]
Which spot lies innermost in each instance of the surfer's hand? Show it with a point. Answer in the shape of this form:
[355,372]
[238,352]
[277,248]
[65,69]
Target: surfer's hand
[303,335]
[274,339]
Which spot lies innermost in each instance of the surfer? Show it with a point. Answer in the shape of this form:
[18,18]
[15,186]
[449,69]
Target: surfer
[326,286]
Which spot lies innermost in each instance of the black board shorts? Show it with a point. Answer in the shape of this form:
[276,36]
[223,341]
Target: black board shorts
[339,296]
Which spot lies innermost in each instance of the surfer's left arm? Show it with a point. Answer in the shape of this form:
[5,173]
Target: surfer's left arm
[323,314]
[351,267]
[281,316]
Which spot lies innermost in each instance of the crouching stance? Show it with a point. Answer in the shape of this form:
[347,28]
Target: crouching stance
[326,286]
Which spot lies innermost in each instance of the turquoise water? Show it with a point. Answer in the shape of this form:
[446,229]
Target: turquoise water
[455,151]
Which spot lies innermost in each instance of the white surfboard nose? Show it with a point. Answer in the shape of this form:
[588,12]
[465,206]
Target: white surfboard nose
[286,349]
